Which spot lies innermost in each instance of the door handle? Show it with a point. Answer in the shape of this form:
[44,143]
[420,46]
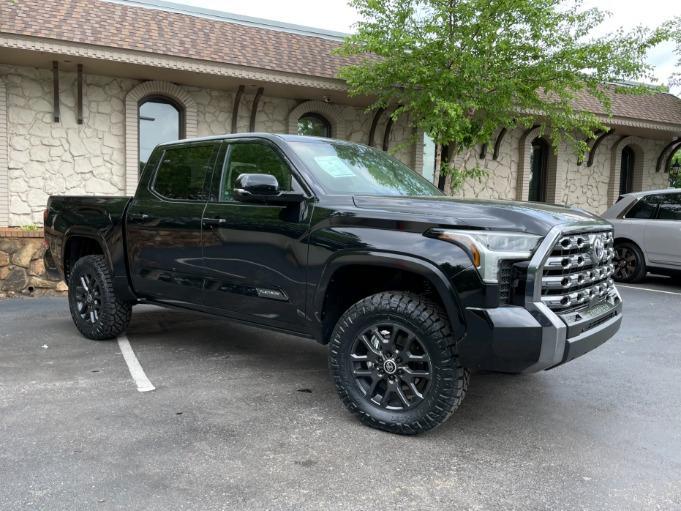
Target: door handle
[214,221]
[139,216]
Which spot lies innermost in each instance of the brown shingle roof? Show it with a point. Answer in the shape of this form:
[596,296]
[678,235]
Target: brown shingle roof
[655,107]
[162,32]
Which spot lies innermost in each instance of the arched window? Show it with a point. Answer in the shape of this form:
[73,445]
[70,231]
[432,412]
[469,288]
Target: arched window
[314,125]
[160,120]
[538,169]
[627,170]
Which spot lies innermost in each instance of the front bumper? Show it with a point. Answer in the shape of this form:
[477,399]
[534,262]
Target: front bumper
[519,340]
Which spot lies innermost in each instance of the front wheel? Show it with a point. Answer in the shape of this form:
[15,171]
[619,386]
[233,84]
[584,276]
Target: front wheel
[630,265]
[96,311]
[394,363]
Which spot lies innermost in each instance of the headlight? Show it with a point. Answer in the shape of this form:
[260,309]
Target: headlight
[487,248]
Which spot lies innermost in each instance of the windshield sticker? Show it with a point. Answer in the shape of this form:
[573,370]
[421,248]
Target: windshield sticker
[334,166]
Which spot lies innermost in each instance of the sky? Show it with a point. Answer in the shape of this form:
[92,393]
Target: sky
[337,15]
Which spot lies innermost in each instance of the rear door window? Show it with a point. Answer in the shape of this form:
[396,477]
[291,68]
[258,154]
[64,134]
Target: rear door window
[184,171]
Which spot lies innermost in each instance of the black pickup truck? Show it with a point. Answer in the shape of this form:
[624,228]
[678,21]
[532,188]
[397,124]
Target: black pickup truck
[343,244]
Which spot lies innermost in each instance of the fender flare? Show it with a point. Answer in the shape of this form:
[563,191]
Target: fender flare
[442,285]
[90,233]
[120,282]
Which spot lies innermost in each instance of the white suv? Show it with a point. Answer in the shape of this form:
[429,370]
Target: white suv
[647,234]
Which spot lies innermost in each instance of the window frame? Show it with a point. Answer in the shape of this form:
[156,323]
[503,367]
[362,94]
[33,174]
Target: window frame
[159,98]
[319,117]
[151,187]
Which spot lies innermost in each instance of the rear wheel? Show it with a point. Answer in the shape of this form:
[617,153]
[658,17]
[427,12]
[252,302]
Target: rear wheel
[630,266]
[96,311]
[394,363]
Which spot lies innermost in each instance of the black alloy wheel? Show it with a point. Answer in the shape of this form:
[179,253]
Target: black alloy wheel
[88,298]
[629,263]
[391,366]
[395,363]
[95,309]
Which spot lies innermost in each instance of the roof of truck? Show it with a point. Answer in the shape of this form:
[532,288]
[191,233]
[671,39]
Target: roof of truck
[270,136]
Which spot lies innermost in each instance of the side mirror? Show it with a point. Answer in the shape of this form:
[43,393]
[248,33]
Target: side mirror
[263,188]
[257,184]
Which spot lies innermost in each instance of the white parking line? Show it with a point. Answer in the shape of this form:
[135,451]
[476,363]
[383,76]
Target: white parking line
[651,290]
[136,371]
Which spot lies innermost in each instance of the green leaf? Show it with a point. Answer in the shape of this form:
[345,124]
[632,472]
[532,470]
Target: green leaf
[462,69]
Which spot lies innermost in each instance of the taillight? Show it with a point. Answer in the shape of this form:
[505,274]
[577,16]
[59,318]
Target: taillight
[45,213]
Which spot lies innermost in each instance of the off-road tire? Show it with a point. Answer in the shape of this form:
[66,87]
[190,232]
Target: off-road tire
[639,271]
[427,320]
[113,315]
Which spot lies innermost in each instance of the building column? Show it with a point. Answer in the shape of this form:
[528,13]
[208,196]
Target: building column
[417,155]
[4,170]
[556,176]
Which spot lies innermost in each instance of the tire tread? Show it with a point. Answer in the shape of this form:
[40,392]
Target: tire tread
[433,320]
[114,315]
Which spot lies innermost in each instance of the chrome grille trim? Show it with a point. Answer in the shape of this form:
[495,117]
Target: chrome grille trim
[578,269]
[554,334]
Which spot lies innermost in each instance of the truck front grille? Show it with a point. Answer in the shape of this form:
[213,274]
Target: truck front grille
[578,272]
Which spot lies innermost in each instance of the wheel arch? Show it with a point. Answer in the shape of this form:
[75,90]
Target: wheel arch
[627,239]
[410,270]
[79,243]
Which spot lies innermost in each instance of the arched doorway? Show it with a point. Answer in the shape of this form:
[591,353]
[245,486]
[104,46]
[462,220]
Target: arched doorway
[628,161]
[539,159]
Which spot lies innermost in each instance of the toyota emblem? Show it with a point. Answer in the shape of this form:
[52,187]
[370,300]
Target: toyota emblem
[598,249]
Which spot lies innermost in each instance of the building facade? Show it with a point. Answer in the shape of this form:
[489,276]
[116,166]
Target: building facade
[88,87]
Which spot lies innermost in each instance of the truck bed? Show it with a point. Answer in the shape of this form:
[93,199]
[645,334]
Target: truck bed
[100,218]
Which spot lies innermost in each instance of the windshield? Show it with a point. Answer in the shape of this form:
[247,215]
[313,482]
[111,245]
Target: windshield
[353,169]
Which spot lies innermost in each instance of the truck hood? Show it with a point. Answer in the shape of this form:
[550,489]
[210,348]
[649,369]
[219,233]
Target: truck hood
[531,217]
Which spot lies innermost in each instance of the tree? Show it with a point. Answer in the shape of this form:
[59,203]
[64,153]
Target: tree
[674,174]
[463,69]
[674,28]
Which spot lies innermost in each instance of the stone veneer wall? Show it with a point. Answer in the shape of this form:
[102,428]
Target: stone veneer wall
[22,271]
[61,158]
[587,187]
[46,158]
[590,188]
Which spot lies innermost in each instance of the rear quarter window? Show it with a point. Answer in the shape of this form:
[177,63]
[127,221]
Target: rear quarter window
[644,209]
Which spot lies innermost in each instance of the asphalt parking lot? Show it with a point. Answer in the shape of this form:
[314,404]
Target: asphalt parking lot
[247,419]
